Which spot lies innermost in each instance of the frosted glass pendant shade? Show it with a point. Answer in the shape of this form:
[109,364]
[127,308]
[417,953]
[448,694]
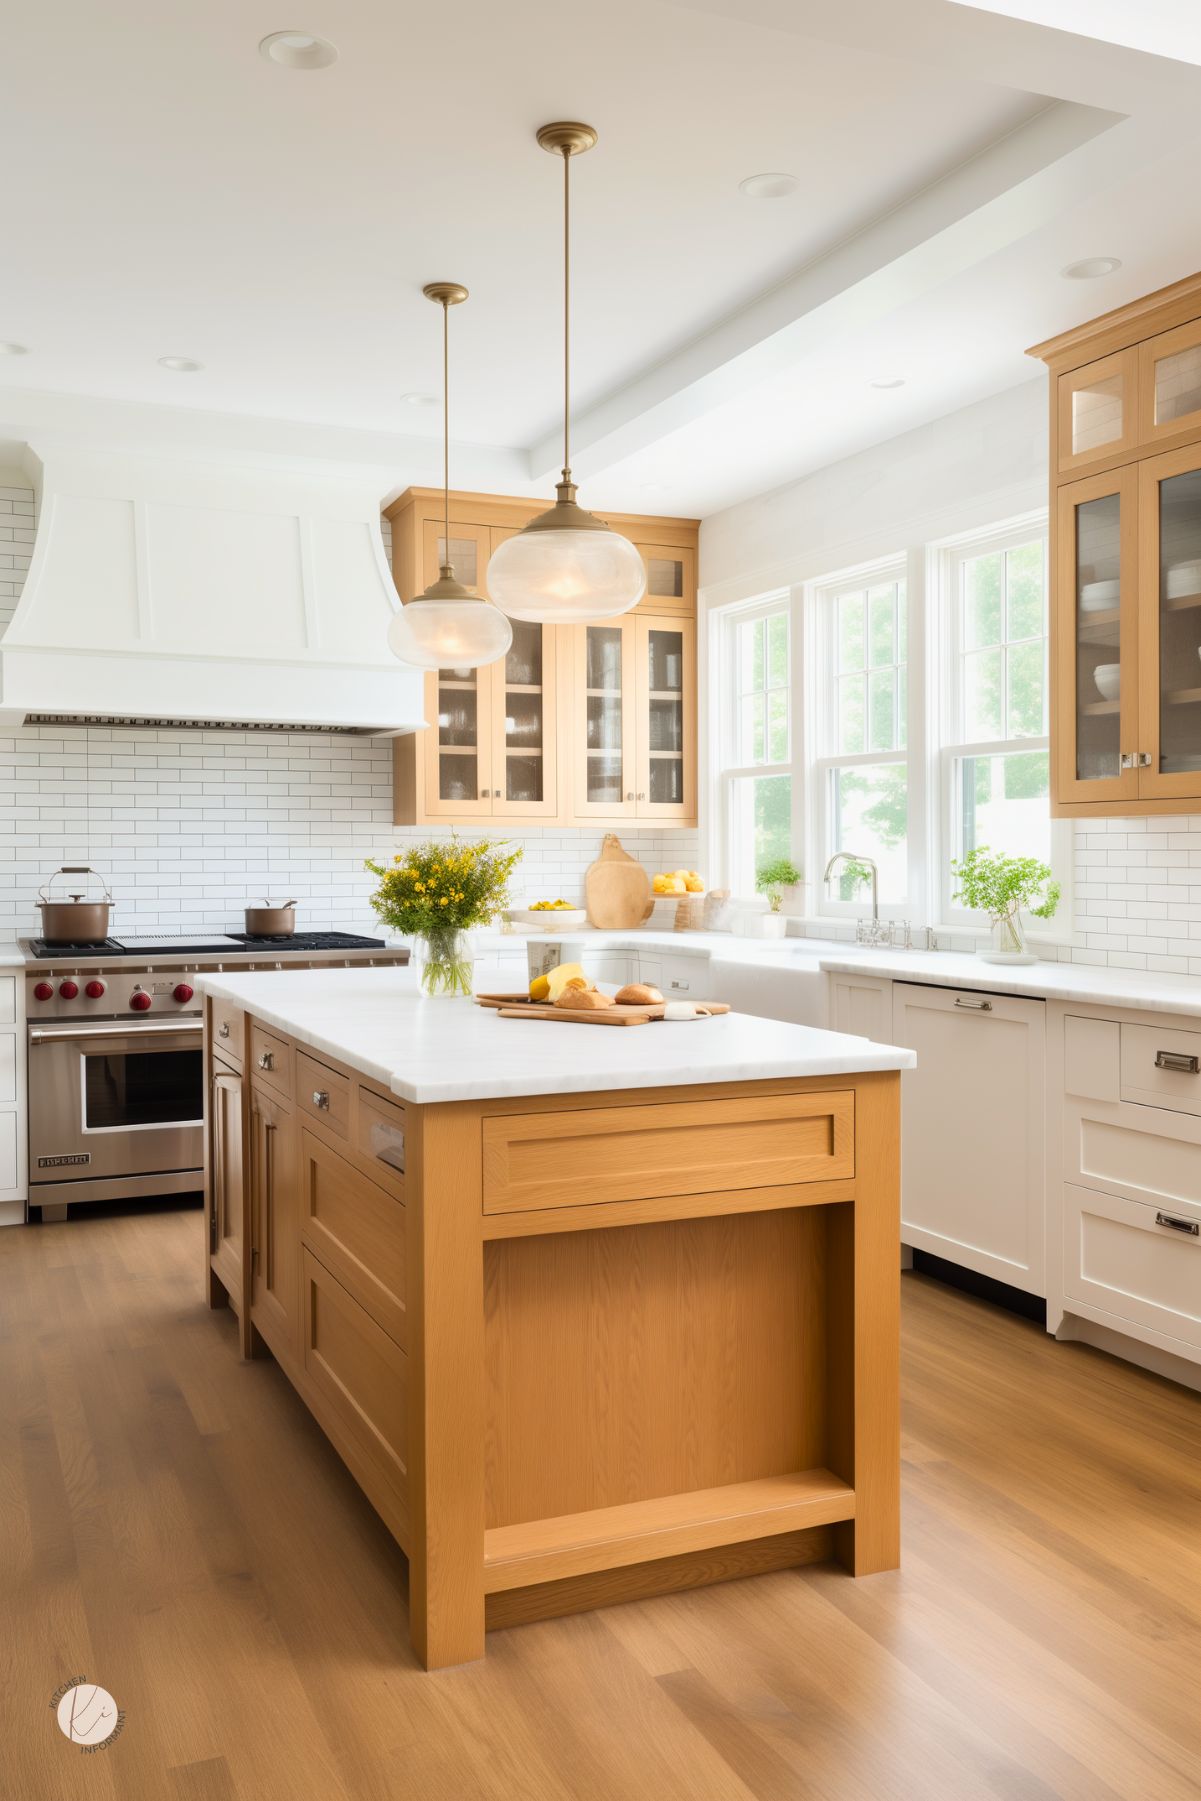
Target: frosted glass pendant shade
[449,634]
[565,574]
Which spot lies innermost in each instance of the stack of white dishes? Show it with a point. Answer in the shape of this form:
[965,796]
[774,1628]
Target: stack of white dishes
[1181,579]
[1095,597]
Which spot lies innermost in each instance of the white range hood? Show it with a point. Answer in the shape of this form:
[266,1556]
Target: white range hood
[199,592]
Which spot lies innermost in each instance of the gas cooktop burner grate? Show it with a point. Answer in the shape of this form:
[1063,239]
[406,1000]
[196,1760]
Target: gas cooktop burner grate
[224,944]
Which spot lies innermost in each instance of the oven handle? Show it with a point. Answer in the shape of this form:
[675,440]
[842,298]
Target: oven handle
[70,1032]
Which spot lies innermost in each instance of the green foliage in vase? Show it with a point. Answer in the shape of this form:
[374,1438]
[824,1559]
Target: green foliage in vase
[772,878]
[1001,886]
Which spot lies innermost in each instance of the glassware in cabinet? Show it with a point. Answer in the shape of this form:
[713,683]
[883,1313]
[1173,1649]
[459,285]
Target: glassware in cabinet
[1170,623]
[1096,703]
[525,763]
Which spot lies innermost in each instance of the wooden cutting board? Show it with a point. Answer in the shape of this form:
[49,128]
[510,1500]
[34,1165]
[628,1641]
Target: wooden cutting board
[617,890]
[520,1006]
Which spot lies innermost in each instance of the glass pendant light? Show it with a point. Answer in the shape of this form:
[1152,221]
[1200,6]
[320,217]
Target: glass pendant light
[448,627]
[566,566]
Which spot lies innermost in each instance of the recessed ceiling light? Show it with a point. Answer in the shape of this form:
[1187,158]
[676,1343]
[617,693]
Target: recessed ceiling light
[1090,267]
[298,50]
[182,365]
[14,349]
[420,399]
[888,381]
[769,187]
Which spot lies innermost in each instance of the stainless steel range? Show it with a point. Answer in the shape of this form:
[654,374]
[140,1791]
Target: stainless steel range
[116,1086]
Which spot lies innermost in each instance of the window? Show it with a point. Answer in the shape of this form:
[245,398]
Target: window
[861,777]
[756,774]
[996,760]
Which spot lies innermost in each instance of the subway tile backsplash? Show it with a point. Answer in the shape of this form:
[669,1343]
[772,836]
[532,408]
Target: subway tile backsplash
[190,825]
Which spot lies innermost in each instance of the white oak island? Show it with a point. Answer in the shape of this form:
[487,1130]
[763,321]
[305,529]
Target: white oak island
[590,1314]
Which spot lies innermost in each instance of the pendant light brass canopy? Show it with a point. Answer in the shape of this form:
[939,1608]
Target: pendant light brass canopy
[448,627]
[566,565]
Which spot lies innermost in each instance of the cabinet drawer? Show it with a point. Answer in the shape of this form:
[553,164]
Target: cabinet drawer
[1117,1257]
[357,1230]
[270,1058]
[1162,1068]
[1149,1155]
[578,1159]
[323,1094]
[229,1025]
[380,1139]
[361,1376]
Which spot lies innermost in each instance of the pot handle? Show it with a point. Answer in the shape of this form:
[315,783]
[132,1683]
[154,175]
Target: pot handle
[274,906]
[73,869]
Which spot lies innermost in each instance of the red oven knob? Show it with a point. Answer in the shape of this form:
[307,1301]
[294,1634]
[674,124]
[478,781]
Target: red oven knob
[140,1001]
[94,990]
[182,993]
[43,992]
[68,990]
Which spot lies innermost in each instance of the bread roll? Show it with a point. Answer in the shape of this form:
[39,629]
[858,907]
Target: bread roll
[585,1000]
[638,994]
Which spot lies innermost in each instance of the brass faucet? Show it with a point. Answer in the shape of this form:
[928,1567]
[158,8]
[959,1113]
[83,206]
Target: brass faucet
[846,856]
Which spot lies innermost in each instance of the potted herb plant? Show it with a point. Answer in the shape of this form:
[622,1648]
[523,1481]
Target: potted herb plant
[772,879]
[1001,887]
[434,893]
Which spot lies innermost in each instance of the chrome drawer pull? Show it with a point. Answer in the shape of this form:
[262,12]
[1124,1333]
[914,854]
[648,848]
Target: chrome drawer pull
[321,1098]
[266,1059]
[223,1029]
[974,1006]
[1178,1060]
[1189,1226]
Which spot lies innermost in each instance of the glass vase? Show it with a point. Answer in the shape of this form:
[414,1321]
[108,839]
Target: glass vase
[1008,941]
[444,962]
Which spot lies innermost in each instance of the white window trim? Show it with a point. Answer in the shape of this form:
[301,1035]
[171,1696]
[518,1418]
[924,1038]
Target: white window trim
[724,623]
[819,602]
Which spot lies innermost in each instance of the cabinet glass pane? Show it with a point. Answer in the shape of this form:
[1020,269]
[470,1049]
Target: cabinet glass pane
[604,774]
[665,575]
[665,681]
[523,663]
[1098,638]
[458,734]
[1180,623]
[524,715]
[604,778]
[666,653]
[464,558]
[604,658]
[1096,414]
[1178,385]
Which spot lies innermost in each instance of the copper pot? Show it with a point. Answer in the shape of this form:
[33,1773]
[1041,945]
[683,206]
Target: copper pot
[77,920]
[271,919]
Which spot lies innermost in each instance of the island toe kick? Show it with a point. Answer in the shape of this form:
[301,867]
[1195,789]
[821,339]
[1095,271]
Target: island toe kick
[576,1349]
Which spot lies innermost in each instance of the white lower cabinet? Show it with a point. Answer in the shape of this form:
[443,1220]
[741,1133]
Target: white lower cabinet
[1127,1263]
[862,1005]
[973,1130]
[13,1175]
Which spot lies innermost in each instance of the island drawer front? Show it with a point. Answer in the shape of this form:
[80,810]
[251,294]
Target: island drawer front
[323,1094]
[270,1059]
[229,1028]
[380,1139]
[1162,1068]
[359,1372]
[357,1231]
[1142,1264]
[578,1159]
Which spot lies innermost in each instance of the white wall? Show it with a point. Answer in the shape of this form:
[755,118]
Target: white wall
[189,825]
[1137,902]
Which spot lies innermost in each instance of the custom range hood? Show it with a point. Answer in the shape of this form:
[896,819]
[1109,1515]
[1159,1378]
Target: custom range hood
[190,591]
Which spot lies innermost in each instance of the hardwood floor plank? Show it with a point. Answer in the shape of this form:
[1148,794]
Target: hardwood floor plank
[175,1526]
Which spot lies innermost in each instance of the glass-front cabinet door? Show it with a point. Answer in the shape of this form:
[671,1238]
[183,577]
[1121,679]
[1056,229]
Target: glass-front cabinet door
[666,758]
[1098,411]
[1170,623]
[524,779]
[1095,715]
[1170,383]
[458,775]
[604,730]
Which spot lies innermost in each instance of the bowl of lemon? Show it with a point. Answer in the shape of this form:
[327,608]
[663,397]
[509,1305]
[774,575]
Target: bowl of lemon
[548,915]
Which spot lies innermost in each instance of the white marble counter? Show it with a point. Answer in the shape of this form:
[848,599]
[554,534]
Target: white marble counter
[10,953]
[450,1050]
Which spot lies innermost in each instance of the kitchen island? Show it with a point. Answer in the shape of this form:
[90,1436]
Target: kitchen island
[590,1313]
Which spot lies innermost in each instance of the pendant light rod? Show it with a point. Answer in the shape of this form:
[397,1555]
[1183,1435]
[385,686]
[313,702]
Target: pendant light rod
[445,294]
[567,138]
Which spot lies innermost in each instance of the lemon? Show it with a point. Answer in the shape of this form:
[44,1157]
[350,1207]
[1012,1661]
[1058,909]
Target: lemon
[540,988]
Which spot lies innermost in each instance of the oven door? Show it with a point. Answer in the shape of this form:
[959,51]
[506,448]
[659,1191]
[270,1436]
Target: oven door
[107,1100]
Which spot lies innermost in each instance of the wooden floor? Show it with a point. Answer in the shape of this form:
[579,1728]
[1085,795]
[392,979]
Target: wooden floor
[174,1527]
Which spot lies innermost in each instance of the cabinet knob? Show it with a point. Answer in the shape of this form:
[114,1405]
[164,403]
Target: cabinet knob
[1127,759]
[321,1098]
[630,795]
[266,1060]
[223,1029]
[642,797]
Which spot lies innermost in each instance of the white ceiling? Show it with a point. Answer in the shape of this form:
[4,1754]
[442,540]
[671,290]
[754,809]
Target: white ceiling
[169,191]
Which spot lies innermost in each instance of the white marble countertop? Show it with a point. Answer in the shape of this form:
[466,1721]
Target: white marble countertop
[1086,983]
[10,953]
[451,1050]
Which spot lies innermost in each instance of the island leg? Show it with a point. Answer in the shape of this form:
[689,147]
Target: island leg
[864,1346]
[445,1282]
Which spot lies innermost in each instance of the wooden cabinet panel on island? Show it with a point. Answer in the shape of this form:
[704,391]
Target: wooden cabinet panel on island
[576,723]
[274,1221]
[1126,559]
[224,1171]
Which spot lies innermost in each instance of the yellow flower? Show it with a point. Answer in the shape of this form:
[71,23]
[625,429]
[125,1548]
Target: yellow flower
[442,902]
